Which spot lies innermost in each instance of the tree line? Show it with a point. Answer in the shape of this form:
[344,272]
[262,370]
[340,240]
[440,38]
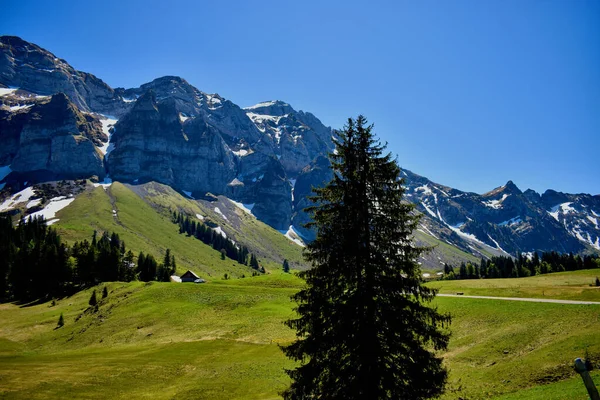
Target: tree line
[36,264]
[213,238]
[521,266]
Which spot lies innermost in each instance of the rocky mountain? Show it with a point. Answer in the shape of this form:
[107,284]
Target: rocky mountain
[507,219]
[27,66]
[165,130]
[51,135]
[60,123]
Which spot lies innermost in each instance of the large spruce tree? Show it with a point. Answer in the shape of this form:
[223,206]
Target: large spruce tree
[365,329]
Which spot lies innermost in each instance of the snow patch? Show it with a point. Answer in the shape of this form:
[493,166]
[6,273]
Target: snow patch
[259,105]
[247,208]
[4,92]
[425,189]
[19,107]
[218,211]
[293,236]
[183,117]
[19,197]
[213,101]
[261,118]
[496,243]
[200,217]
[220,231]
[241,152]
[105,183]
[49,212]
[429,210]
[495,204]
[563,208]
[127,100]
[593,220]
[34,203]
[107,147]
[513,221]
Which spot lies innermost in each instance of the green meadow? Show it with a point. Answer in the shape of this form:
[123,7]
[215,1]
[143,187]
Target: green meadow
[573,285]
[145,225]
[219,340]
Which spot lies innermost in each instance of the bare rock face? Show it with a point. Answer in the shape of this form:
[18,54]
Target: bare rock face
[53,136]
[316,175]
[29,67]
[152,142]
[297,137]
[229,119]
[504,219]
[274,197]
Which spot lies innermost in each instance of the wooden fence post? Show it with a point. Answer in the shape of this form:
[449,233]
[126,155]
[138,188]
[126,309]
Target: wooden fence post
[587,379]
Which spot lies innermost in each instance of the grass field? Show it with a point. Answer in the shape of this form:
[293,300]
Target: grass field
[219,341]
[575,285]
[146,226]
[265,242]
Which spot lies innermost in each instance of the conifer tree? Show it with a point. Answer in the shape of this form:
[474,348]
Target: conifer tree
[104,292]
[93,301]
[173,266]
[365,330]
[61,321]
[167,260]
[286,266]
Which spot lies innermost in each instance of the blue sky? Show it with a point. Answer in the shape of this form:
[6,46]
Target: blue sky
[470,94]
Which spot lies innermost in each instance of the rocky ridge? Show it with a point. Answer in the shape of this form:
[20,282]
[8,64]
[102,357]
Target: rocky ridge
[57,122]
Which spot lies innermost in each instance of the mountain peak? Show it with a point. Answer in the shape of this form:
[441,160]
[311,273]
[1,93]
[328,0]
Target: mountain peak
[511,187]
[171,79]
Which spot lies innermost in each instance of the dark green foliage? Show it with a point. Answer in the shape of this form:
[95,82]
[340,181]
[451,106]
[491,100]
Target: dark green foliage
[520,266]
[61,321]
[597,281]
[211,237]
[365,330]
[254,262]
[36,265]
[93,301]
[286,266]
[104,292]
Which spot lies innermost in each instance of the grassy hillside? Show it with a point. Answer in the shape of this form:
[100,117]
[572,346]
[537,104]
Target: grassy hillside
[269,245]
[142,228]
[219,341]
[441,253]
[575,285]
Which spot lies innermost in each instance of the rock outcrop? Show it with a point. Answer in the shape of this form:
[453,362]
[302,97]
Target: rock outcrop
[52,136]
[315,175]
[152,142]
[297,137]
[27,66]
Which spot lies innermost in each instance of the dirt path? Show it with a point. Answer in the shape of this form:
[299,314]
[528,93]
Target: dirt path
[534,300]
